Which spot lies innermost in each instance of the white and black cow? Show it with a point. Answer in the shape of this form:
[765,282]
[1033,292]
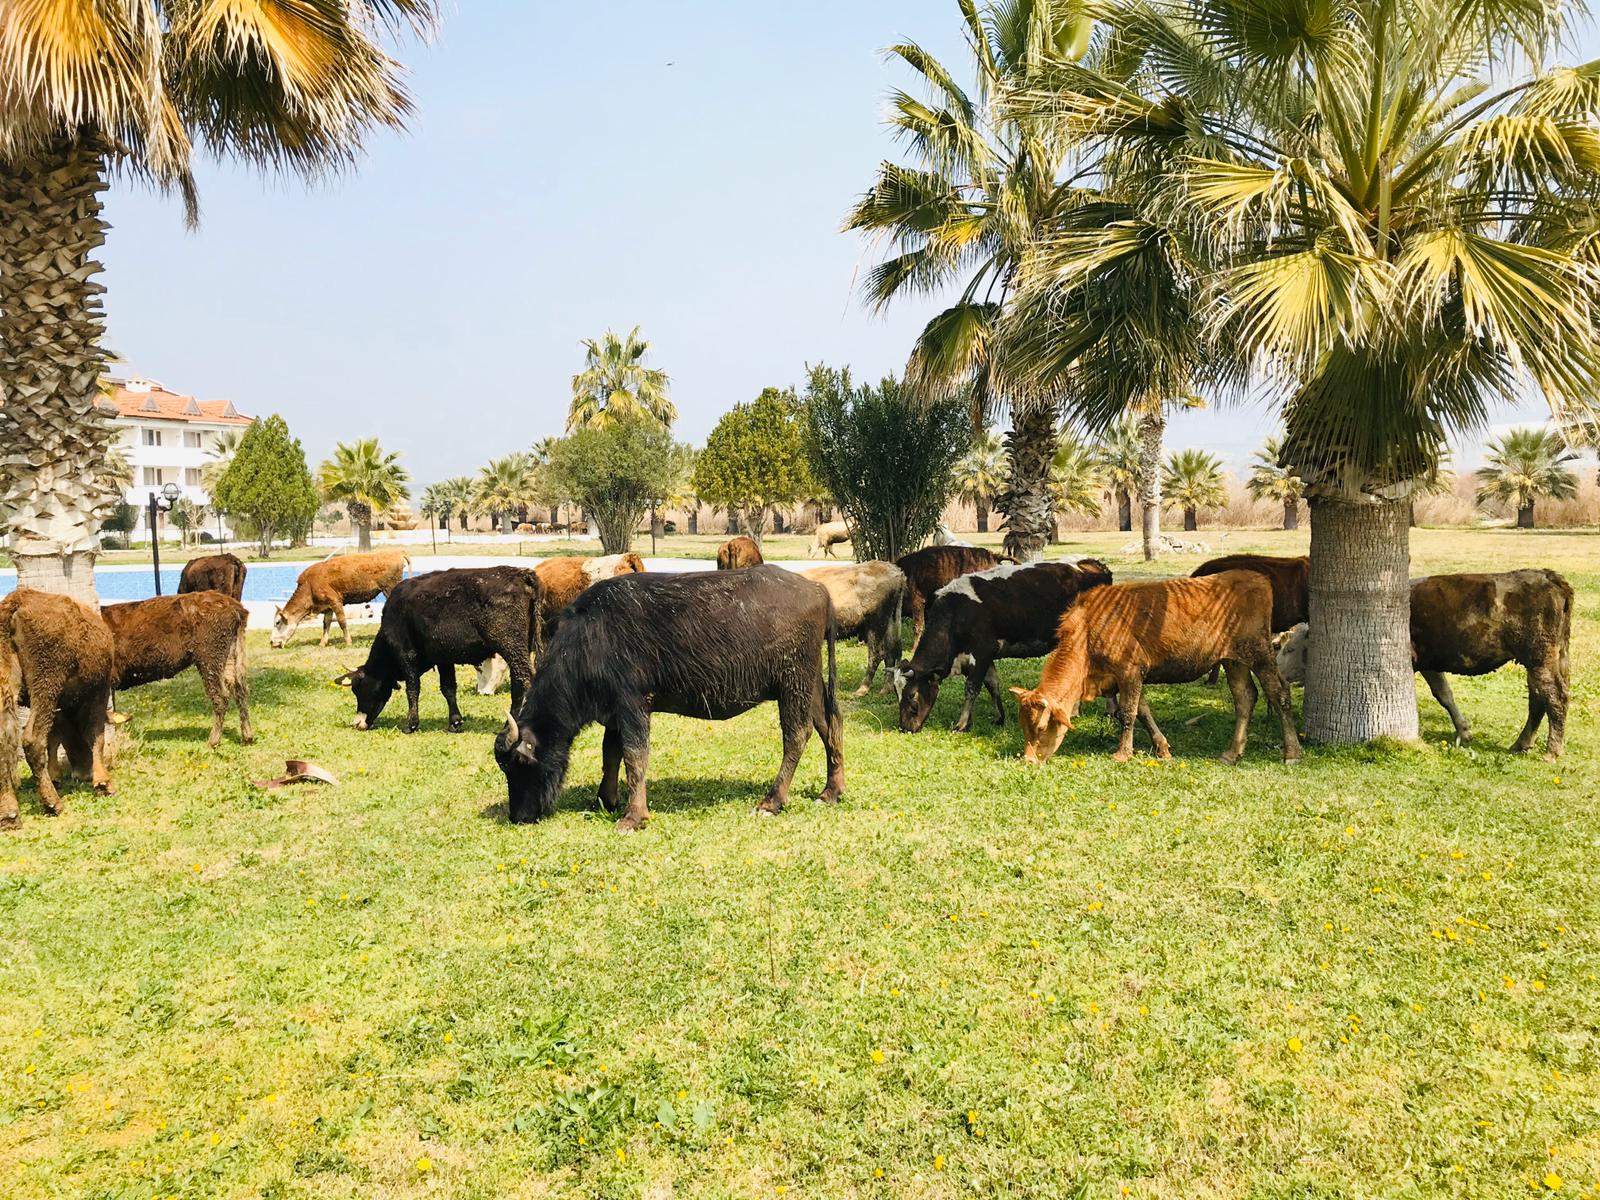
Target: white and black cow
[1008,611]
[436,620]
[1474,624]
[711,645]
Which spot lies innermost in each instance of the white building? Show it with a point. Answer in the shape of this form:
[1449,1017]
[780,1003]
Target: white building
[167,438]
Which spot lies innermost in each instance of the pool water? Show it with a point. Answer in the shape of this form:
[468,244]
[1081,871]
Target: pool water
[267,581]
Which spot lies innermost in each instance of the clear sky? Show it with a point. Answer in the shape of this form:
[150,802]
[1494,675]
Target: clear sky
[683,166]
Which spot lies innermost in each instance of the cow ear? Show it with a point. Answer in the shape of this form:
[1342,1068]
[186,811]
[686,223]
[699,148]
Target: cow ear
[348,679]
[1019,693]
[1062,712]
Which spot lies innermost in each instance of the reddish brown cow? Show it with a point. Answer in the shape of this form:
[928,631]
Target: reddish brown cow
[738,552]
[1126,635]
[213,573]
[929,569]
[326,587]
[163,637]
[56,657]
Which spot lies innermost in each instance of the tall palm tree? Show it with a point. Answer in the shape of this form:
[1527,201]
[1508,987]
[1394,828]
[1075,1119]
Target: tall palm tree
[979,188]
[502,489]
[116,472]
[980,475]
[91,88]
[1075,481]
[438,503]
[1524,466]
[615,383]
[1387,211]
[365,480]
[1192,480]
[218,459]
[458,492]
[1116,456]
[1272,479]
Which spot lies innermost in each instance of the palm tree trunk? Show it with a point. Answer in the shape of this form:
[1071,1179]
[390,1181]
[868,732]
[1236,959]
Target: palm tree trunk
[1124,511]
[1525,516]
[981,504]
[1151,428]
[1360,685]
[1191,520]
[694,519]
[1291,514]
[53,437]
[1031,441]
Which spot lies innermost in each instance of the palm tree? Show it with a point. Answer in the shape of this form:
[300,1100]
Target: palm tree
[1116,457]
[437,505]
[964,213]
[539,458]
[615,383]
[1271,479]
[1524,466]
[365,480]
[218,459]
[1192,480]
[981,475]
[457,492]
[134,86]
[117,472]
[502,490]
[1075,481]
[1388,213]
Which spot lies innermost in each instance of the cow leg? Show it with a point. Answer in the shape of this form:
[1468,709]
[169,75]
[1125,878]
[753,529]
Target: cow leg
[1547,696]
[447,685]
[238,680]
[1281,701]
[832,734]
[1244,705]
[1211,678]
[413,697]
[1130,693]
[327,625]
[1158,739]
[610,764]
[521,669]
[875,655]
[794,719]
[90,750]
[1440,687]
[971,682]
[211,678]
[991,680]
[344,626]
[636,757]
[38,747]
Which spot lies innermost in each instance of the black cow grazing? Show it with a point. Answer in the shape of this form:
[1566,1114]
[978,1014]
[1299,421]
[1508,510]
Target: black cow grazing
[710,645]
[441,618]
[1008,611]
[1474,624]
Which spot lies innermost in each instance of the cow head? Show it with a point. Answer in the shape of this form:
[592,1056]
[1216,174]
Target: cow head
[534,768]
[282,630]
[1045,720]
[371,693]
[917,689]
[1291,650]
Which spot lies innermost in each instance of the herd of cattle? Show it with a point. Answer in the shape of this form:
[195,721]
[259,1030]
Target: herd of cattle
[613,644]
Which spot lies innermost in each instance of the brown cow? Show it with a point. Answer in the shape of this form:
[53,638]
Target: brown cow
[1291,586]
[1126,635]
[57,657]
[160,638]
[1474,624]
[326,587]
[739,552]
[563,581]
[213,573]
[929,569]
[867,601]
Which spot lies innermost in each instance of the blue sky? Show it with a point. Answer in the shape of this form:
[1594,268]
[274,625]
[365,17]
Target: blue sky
[560,178]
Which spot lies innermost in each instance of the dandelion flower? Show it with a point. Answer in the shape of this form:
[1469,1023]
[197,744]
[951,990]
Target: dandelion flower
[877,1056]
[424,1164]
[1553,1181]
[877,1172]
[938,1162]
[622,1155]
[1296,1045]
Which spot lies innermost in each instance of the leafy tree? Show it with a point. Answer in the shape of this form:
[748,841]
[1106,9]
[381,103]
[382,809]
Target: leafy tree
[1192,480]
[268,484]
[503,490]
[1273,479]
[980,475]
[1524,466]
[124,519]
[366,481]
[682,494]
[888,458]
[1116,456]
[1075,483]
[615,384]
[1388,210]
[187,517]
[755,459]
[980,188]
[616,471]
[544,493]
[136,86]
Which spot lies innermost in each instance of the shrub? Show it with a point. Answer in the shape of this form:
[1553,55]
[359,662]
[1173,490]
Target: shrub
[615,471]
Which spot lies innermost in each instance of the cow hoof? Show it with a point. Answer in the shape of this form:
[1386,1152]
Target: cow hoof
[1164,752]
[1121,756]
[410,728]
[860,692]
[247,739]
[455,727]
[13,821]
[1551,756]
[961,726]
[1290,760]
[828,798]
[629,825]
[1230,758]
[770,807]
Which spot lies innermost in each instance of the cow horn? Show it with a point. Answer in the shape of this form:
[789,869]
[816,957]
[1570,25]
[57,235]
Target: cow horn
[513,732]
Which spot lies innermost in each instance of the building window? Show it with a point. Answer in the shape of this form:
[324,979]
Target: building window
[191,440]
[191,476]
[152,437]
[152,476]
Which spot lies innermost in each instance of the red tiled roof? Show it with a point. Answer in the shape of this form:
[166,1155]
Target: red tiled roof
[158,404]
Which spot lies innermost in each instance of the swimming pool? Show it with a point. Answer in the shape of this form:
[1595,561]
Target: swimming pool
[263,581]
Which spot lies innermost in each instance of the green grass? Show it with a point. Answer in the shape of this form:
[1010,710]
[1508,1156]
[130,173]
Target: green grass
[975,978]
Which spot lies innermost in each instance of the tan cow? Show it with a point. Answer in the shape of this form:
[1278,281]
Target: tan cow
[828,535]
[867,602]
[326,587]
[563,580]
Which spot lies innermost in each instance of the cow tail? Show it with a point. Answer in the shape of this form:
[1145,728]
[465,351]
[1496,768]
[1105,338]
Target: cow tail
[830,698]
[899,615]
[1567,601]
[536,630]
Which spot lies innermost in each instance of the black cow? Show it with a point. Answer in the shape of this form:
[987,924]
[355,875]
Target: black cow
[1008,611]
[441,618]
[711,645]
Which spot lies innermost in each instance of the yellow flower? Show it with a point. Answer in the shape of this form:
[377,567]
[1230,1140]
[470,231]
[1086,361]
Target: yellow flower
[1296,1045]
[29,1069]
[449,1037]
[1553,1181]
[682,1095]
[1144,1010]
[622,1155]
[424,1164]
[1457,855]
[972,1116]
[877,1056]
[215,1139]
[1488,875]
[877,1172]
[1538,985]
[938,1162]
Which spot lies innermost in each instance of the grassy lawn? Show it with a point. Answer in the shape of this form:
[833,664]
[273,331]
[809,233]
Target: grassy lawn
[1375,974]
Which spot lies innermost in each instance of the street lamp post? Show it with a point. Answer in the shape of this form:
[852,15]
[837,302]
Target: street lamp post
[160,504]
